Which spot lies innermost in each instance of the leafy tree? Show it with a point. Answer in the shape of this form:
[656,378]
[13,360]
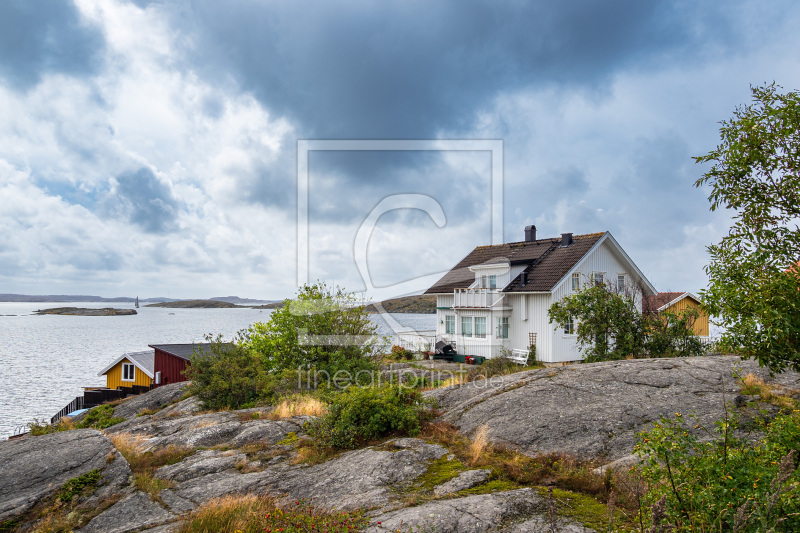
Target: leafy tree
[755,172]
[608,325]
[322,328]
[672,334]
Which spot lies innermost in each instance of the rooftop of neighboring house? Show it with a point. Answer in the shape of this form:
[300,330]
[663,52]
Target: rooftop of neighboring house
[144,360]
[548,261]
[662,300]
[184,351]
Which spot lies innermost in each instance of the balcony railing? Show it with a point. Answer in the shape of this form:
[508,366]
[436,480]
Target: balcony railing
[478,298]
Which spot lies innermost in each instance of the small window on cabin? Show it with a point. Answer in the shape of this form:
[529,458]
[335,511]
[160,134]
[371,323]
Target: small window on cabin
[569,327]
[576,282]
[493,281]
[466,326]
[620,283]
[598,278]
[450,324]
[480,327]
[128,372]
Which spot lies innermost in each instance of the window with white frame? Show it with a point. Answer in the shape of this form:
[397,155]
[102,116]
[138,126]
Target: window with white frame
[450,324]
[128,372]
[598,278]
[502,327]
[493,281]
[466,326]
[569,327]
[620,283]
[576,281]
[480,327]
[484,281]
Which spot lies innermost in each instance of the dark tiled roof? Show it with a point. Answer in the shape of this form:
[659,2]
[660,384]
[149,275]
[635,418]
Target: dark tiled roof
[547,262]
[184,351]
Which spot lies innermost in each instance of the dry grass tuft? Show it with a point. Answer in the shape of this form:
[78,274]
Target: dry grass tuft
[144,462]
[752,385]
[479,443]
[249,513]
[299,405]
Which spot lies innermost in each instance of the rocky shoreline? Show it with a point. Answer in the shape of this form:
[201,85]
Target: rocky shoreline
[590,411]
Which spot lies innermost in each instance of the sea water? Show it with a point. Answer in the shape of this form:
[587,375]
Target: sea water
[45,360]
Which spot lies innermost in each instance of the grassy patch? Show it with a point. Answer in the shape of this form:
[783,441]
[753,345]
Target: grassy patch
[251,514]
[495,485]
[152,485]
[290,438]
[440,471]
[752,385]
[99,417]
[587,511]
[77,485]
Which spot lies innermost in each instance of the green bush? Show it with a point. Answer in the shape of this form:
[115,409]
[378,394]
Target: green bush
[100,417]
[77,485]
[231,376]
[722,484]
[672,335]
[359,415]
[399,353]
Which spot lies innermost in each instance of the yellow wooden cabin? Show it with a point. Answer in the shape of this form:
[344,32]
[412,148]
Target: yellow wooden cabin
[134,368]
[677,303]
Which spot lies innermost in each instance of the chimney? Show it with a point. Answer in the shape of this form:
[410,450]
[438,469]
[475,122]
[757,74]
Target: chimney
[566,239]
[530,233]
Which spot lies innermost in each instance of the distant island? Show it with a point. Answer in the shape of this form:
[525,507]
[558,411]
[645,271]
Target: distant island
[407,304]
[195,304]
[420,304]
[82,311]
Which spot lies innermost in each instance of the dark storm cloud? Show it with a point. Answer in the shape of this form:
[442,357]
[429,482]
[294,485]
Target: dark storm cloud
[146,200]
[410,69]
[37,37]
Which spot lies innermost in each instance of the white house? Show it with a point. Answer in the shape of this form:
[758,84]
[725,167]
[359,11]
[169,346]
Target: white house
[497,297]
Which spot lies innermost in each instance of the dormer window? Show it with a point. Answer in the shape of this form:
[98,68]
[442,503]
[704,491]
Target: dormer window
[493,281]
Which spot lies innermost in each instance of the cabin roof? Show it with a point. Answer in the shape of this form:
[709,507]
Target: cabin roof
[184,351]
[547,263]
[144,361]
[664,300]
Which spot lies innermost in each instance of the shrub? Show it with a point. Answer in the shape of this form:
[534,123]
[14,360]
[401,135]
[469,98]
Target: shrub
[399,353]
[726,483]
[232,376]
[99,417]
[672,335]
[78,485]
[359,415]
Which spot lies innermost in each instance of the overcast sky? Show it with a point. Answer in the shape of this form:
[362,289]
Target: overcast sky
[150,148]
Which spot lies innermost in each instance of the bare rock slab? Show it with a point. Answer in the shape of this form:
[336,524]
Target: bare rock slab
[595,410]
[356,479]
[465,480]
[134,513]
[155,399]
[33,468]
[517,510]
[212,429]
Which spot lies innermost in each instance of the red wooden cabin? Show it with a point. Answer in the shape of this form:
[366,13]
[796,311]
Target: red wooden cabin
[172,359]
